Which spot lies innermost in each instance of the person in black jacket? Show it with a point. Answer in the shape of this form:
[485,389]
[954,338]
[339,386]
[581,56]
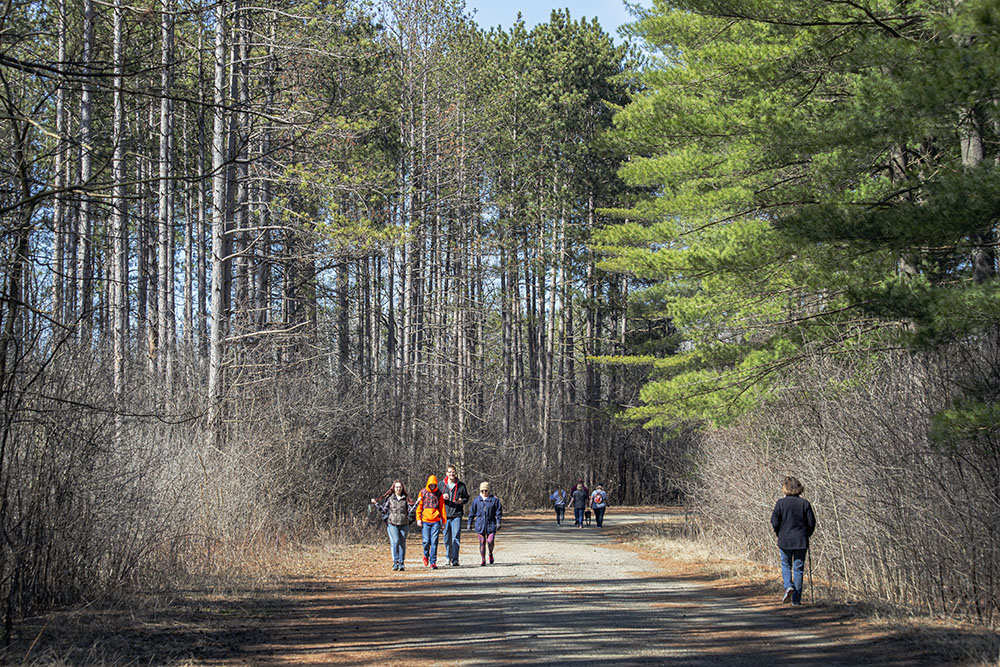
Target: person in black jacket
[455,496]
[793,522]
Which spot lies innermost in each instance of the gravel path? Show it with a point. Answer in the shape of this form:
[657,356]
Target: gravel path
[555,595]
[561,596]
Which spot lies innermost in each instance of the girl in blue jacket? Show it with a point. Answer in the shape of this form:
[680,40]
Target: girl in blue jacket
[484,515]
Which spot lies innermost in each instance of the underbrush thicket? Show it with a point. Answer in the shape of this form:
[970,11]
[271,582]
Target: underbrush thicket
[907,513]
[99,500]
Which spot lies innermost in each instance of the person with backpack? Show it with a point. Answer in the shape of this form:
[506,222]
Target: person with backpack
[430,517]
[793,522]
[558,499]
[455,496]
[579,498]
[599,503]
[485,513]
[396,508]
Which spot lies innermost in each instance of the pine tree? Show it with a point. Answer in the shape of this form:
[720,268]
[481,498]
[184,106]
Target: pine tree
[809,192]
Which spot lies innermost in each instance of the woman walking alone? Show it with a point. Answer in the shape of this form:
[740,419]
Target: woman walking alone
[793,522]
[484,516]
[395,506]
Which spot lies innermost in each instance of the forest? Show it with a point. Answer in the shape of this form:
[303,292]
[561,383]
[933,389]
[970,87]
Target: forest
[259,259]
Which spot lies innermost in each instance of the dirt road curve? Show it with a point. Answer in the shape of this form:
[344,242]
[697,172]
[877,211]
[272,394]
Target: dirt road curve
[555,595]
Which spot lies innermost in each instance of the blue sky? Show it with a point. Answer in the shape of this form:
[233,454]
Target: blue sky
[610,13]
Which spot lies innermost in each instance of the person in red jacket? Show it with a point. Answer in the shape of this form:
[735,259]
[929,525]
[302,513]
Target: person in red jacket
[431,517]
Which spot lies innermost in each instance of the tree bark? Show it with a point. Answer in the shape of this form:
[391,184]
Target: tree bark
[119,229]
[84,269]
[166,198]
[973,152]
[218,324]
[59,168]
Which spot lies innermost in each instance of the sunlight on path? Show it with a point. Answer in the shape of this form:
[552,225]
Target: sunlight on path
[555,594]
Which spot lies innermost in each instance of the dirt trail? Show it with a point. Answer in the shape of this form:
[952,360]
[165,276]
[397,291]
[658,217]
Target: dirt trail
[555,595]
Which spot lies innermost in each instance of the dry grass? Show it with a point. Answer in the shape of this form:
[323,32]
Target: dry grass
[165,627]
[678,546]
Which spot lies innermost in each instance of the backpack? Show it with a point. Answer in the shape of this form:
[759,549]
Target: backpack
[599,499]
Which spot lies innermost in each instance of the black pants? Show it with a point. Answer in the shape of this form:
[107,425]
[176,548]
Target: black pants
[560,514]
[599,515]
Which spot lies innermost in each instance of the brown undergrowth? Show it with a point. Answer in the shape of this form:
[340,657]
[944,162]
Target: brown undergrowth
[211,614]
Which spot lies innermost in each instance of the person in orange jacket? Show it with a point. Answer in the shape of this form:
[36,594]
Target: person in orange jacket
[431,518]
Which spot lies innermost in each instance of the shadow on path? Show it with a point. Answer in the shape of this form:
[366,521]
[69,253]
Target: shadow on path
[563,596]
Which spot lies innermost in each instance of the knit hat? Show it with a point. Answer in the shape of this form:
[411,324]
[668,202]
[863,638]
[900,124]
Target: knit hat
[485,486]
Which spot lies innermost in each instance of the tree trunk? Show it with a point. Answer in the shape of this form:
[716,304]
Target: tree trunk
[241,74]
[141,242]
[119,229]
[202,207]
[84,269]
[973,152]
[343,321]
[59,166]
[166,199]
[219,259]
[18,262]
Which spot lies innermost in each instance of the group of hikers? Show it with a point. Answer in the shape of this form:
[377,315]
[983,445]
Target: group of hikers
[583,501]
[439,509]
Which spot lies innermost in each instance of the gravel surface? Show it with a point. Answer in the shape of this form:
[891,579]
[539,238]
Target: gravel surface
[555,595]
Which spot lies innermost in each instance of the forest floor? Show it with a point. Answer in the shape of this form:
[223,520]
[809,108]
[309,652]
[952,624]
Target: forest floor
[555,594]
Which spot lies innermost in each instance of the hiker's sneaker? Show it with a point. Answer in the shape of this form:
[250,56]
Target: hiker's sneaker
[434,566]
[491,559]
[402,567]
[426,561]
[455,562]
[395,566]
[788,595]
[796,604]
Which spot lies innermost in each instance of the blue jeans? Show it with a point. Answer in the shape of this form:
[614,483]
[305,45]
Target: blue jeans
[599,515]
[397,543]
[431,534]
[453,538]
[578,516]
[560,513]
[793,562]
